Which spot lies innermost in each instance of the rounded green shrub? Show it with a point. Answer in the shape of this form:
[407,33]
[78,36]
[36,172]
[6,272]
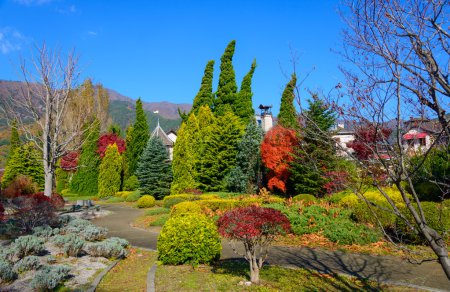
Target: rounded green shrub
[7,272]
[131,183]
[48,277]
[133,197]
[306,198]
[146,201]
[27,264]
[185,208]
[28,245]
[171,200]
[192,239]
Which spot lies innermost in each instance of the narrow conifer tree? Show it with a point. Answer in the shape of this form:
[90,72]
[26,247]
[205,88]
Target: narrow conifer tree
[14,141]
[243,107]
[184,156]
[288,115]
[205,95]
[110,169]
[138,140]
[154,170]
[227,88]
[85,179]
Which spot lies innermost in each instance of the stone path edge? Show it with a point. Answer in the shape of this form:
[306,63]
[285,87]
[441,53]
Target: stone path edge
[99,278]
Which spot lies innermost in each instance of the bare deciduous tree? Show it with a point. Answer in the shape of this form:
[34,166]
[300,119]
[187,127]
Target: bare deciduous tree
[399,54]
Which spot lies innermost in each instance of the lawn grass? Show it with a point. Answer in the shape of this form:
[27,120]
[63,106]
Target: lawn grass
[156,216]
[129,274]
[229,275]
[157,211]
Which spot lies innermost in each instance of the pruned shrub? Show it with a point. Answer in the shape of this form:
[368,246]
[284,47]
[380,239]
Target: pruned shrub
[133,197]
[27,264]
[7,273]
[305,198]
[185,208]
[48,277]
[146,201]
[21,185]
[106,249]
[93,233]
[28,245]
[64,220]
[171,200]
[70,243]
[51,259]
[192,239]
[131,183]
[123,194]
[118,240]
[7,253]
[44,231]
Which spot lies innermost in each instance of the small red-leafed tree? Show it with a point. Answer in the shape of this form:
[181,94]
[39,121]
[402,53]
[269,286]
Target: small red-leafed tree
[110,139]
[69,161]
[276,153]
[256,228]
[367,137]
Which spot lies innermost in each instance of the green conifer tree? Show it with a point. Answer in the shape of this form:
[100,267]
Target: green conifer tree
[247,175]
[205,95]
[220,151]
[138,140]
[154,170]
[184,157]
[288,115]
[26,160]
[14,141]
[85,179]
[315,155]
[110,169]
[227,88]
[243,107]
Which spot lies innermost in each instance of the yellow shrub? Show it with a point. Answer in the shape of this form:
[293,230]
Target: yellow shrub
[185,208]
[123,194]
[146,201]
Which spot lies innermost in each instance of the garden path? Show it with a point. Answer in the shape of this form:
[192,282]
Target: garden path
[427,275]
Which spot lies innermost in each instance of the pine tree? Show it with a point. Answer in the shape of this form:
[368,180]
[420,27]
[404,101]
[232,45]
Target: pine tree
[288,116]
[247,175]
[110,169]
[315,155]
[243,107]
[184,156]
[220,151]
[205,95]
[154,170]
[227,88]
[26,160]
[138,140]
[85,179]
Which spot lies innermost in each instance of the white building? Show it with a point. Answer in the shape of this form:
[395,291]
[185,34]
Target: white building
[265,119]
[167,139]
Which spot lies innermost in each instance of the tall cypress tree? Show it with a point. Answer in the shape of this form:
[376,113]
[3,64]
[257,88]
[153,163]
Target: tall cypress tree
[85,180]
[219,155]
[109,175]
[247,175]
[243,107]
[315,155]
[184,156]
[14,141]
[154,170]
[288,115]
[205,95]
[138,139]
[226,91]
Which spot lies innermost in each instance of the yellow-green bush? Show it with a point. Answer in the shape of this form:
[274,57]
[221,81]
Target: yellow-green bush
[171,200]
[273,200]
[305,198]
[227,204]
[133,196]
[123,194]
[192,239]
[185,208]
[146,201]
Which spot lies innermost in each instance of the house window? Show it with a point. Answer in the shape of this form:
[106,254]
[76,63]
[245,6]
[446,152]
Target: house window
[410,142]
[422,142]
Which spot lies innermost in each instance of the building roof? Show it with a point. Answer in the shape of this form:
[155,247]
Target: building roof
[159,132]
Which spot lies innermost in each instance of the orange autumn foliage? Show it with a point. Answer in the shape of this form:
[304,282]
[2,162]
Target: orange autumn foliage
[276,153]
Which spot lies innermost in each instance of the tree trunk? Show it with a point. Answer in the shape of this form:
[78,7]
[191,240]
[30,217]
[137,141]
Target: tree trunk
[439,247]
[48,176]
[254,271]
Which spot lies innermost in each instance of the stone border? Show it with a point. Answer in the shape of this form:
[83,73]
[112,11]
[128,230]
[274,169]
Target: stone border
[151,279]
[99,278]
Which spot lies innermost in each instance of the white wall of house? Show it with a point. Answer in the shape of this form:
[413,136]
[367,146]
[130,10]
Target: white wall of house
[172,137]
[417,144]
[341,140]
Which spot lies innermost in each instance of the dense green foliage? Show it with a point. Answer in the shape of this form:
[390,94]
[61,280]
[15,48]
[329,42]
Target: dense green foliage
[227,88]
[192,238]
[109,176]
[14,140]
[138,139]
[243,106]
[185,156]
[154,170]
[219,156]
[85,179]
[247,175]
[315,154]
[205,95]
[26,160]
[288,115]
[146,201]
[131,183]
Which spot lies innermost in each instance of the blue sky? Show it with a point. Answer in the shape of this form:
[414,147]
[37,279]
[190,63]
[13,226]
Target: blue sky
[158,49]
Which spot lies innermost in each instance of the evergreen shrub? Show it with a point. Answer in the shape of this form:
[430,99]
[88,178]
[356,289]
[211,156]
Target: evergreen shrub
[7,273]
[146,201]
[192,239]
[27,264]
[305,198]
[48,277]
[106,249]
[185,208]
[28,245]
[131,183]
[122,242]
[133,197]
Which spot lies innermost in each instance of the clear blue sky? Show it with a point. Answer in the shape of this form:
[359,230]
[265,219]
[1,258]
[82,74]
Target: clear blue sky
[158,49]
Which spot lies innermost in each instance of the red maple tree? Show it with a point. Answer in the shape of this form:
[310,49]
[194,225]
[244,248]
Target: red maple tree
[276,153]
[110,139]
[366,139]
[256,228]
[70,161]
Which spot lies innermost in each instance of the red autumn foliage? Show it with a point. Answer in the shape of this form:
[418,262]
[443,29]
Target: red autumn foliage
[32,210]
[69,161]
[253,223]
[276,153]
[21,185]
[56,200]
[110,139]
[337,181]
[366,139]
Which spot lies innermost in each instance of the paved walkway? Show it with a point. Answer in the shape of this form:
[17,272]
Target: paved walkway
[378,268]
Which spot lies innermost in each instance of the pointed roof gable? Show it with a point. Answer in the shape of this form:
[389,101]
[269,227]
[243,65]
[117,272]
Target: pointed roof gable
[159,132]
